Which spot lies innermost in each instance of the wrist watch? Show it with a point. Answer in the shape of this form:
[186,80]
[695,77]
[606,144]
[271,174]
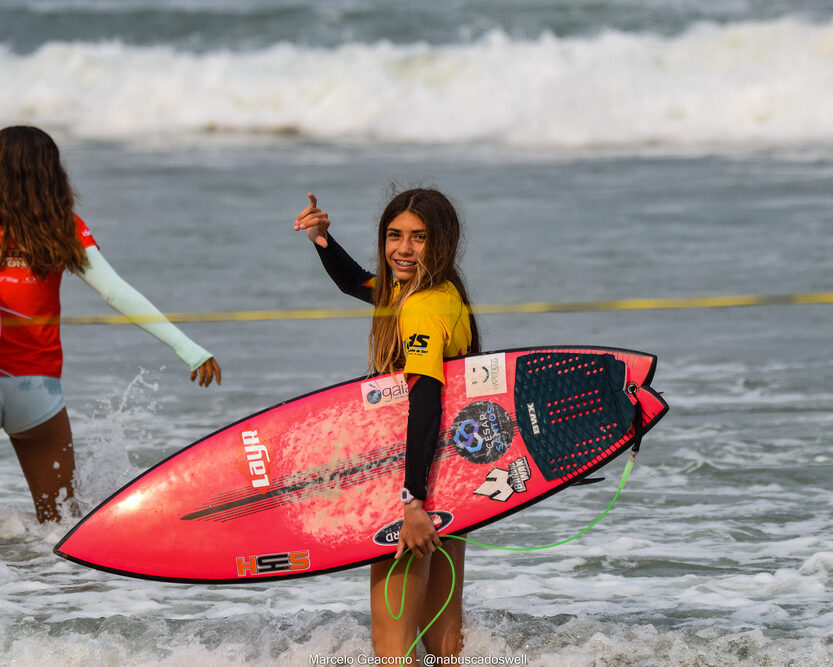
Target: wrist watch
[406,496]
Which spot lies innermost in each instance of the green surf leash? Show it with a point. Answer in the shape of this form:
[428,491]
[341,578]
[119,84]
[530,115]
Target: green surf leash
[625,474]
[404,582]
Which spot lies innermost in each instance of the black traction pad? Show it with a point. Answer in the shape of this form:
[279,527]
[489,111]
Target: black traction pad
[571,409]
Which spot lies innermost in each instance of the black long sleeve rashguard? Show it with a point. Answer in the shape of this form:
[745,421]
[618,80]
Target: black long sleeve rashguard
[424,399]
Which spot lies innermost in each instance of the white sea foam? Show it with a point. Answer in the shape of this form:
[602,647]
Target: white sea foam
[757,83]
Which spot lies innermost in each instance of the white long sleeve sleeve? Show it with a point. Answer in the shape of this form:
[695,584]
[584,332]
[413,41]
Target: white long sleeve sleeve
[135,307]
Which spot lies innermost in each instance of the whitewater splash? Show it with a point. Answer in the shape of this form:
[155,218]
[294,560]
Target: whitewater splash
[759,84]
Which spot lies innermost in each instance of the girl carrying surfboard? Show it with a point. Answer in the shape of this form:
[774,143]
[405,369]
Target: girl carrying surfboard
[422,316]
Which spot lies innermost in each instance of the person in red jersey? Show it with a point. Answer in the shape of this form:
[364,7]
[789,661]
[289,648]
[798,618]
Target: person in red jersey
[40,238]
[422,317]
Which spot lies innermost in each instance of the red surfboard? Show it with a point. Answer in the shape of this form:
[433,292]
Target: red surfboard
[312,485]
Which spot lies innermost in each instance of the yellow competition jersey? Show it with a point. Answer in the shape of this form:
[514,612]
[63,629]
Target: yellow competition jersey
[434,325]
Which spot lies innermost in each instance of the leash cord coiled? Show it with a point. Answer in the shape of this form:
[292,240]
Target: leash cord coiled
[625,474]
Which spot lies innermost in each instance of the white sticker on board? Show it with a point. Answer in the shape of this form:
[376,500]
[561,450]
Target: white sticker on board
[384,390]
[486,375]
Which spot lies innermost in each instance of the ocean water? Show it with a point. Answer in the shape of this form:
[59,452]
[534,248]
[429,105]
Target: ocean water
[598,151]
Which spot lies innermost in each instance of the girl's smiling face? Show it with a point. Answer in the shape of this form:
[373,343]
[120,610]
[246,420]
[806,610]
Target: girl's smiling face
[405,243]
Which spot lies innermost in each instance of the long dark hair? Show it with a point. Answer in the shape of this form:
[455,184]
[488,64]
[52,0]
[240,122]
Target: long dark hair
[385,352]
[36,203]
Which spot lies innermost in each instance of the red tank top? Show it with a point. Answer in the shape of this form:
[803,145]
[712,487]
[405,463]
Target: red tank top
[28,348]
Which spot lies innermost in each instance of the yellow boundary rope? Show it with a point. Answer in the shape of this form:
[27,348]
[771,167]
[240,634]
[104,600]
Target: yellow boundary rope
[737,301]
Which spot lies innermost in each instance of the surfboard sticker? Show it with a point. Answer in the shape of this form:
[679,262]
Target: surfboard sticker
[266,564]
[389,535]
[485,375]
[311,485]
[483,432]
[383,391]
[501,483]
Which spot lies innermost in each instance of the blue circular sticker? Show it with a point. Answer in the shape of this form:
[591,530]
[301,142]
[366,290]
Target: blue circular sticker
[482,432]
